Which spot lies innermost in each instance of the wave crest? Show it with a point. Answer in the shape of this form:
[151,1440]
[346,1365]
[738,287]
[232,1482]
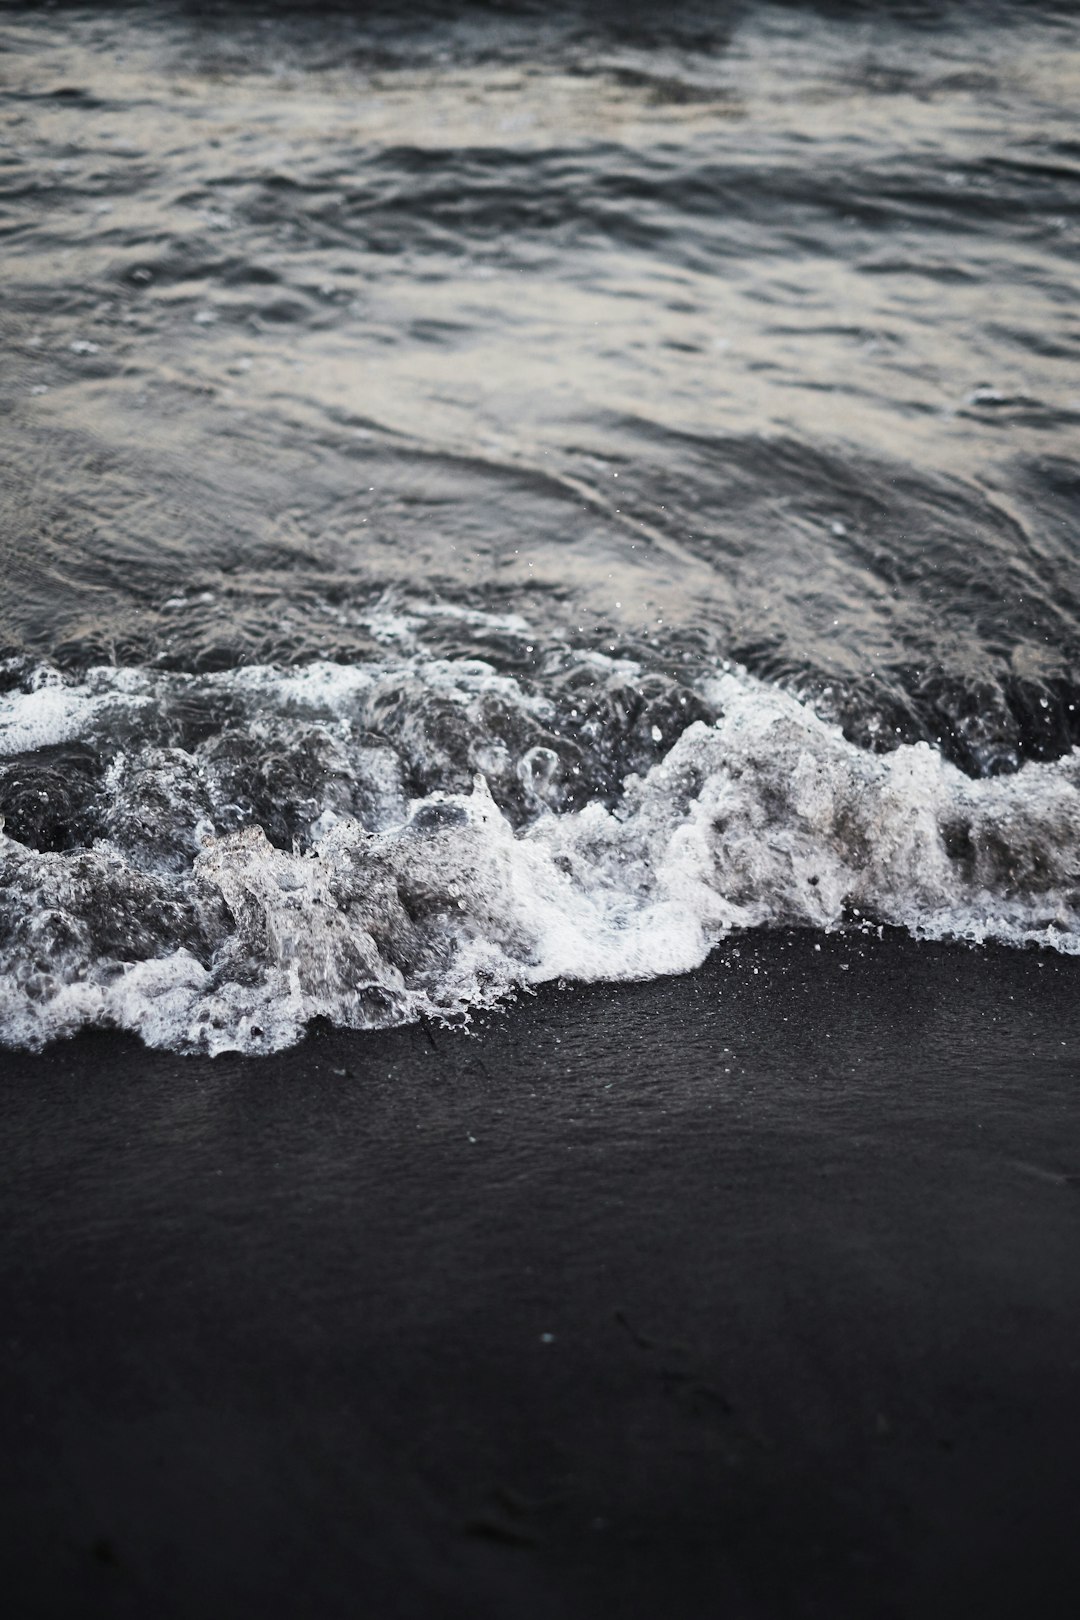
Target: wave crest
[381,901]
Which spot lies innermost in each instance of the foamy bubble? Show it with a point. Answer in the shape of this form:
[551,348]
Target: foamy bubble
[385,895]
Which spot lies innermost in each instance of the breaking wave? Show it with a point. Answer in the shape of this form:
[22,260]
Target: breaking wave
[212,861]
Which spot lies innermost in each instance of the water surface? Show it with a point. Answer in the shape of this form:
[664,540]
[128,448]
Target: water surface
[516,492]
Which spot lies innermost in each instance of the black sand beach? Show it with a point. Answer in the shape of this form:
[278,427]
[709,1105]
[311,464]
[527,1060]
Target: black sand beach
[500,495]
[750,1293]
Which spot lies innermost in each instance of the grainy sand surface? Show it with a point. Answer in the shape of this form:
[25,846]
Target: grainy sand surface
[751,1293]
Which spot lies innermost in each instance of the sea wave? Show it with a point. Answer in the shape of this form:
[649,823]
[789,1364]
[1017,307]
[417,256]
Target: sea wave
[377,844]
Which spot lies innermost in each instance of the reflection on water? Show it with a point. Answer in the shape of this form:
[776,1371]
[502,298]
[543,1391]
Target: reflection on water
[306,302]
[605,347]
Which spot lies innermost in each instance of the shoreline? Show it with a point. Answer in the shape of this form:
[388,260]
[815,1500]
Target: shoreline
[751,1292]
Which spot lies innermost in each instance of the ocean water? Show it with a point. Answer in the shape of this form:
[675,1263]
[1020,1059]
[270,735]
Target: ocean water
[502,493]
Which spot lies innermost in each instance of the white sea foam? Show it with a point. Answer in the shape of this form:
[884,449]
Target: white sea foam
[50,712]
[183,922]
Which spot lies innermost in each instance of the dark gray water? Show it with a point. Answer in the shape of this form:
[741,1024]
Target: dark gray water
[512,492]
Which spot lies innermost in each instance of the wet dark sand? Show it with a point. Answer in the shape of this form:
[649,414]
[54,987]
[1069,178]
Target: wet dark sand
[804,1231]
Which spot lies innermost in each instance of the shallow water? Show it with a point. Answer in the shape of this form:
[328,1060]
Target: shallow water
[523,492]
